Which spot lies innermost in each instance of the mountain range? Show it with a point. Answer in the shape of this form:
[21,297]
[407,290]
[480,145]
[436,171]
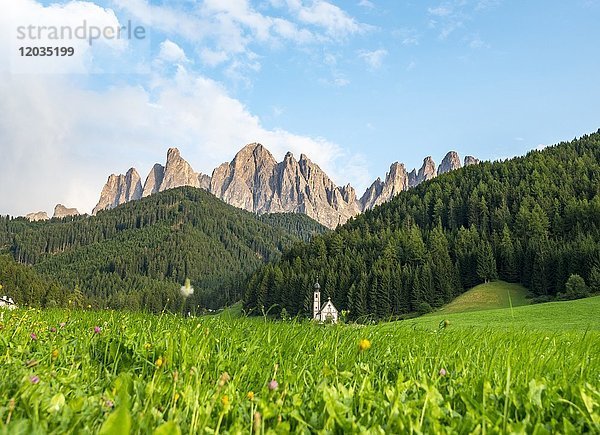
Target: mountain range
[256,182]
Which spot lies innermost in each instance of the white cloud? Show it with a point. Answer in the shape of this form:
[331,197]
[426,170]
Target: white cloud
[60,138]
[440,11]
[374,59]
[171,52]
[475,42]
[407,36]
[366,4]
[213,58]
[336,22]
[80,136]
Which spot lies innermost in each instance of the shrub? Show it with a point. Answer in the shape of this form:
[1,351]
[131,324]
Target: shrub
[424,308]
[576,287]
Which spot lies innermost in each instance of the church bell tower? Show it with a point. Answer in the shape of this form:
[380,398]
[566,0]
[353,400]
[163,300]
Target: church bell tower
[316,300]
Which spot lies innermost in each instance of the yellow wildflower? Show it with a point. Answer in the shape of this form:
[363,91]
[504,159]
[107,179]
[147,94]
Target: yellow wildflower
[364,344]
[147,346]
[159,362]
[176,397]
[225,401]
[55,353]
[250,395]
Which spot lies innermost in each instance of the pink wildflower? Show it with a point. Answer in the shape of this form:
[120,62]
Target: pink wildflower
[273,385]
[34,379]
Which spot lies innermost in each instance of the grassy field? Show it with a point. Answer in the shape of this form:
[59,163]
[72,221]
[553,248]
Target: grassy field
[493,295]
[536,370]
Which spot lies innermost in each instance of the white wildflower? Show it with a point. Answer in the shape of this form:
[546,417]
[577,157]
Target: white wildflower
[187,290]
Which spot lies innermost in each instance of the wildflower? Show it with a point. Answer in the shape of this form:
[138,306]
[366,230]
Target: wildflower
[109,403]
[176,397]
[34,379]
[187,290]
[97,330]
[224,379]
[250,395]
[225,401]
[159,362]
[147,346]
[443,372]
[34,336]
[55,354]
[364,344]
[53,329]
[62,324]
[273,385]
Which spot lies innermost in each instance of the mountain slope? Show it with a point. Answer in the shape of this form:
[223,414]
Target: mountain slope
[533,220]
[137,255]
[488,296]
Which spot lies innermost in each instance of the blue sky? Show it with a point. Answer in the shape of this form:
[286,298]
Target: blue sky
[356,85]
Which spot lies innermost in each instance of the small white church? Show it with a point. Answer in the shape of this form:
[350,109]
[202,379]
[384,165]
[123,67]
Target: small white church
[326,313]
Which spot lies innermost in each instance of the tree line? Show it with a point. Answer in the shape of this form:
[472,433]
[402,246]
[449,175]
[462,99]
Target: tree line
[137,255]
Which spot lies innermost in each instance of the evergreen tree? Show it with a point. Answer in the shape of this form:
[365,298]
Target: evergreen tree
[486,264]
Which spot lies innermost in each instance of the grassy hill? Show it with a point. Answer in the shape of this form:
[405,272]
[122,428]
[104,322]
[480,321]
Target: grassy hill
[489,296]
[579,315]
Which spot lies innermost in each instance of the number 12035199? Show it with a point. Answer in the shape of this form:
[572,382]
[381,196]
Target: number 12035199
[46,51]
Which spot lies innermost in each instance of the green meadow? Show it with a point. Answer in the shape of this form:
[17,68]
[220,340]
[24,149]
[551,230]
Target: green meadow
[532,369]
[488,296]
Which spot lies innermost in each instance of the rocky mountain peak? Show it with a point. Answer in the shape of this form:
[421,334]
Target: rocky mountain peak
[60,211]
[470,160]
[256,182]
[450,162]
[178,172]
[396,180]
[173,154]
[426,172]
[119,189]
[154,180]
[37,216]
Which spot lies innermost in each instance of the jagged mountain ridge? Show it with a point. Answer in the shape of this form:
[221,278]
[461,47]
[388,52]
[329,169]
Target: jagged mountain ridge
[256,182]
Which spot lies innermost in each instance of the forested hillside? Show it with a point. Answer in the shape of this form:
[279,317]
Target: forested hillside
[533,219]
[138,255]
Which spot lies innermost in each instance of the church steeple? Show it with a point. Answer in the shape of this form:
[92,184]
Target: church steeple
[316,299]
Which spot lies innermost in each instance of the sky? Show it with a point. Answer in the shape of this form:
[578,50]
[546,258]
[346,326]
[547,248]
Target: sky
[355,85]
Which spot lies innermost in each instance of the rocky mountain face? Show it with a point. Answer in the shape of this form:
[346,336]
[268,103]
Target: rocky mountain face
[60,211]
[450,162]
[37,216]
[470,160]
[256,182]
[396,181]
[119,189]
[154,180]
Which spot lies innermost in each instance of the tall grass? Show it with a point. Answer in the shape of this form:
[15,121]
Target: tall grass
[214,374]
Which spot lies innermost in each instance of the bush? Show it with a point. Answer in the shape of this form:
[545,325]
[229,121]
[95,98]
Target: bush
[576,287]
[424,308]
